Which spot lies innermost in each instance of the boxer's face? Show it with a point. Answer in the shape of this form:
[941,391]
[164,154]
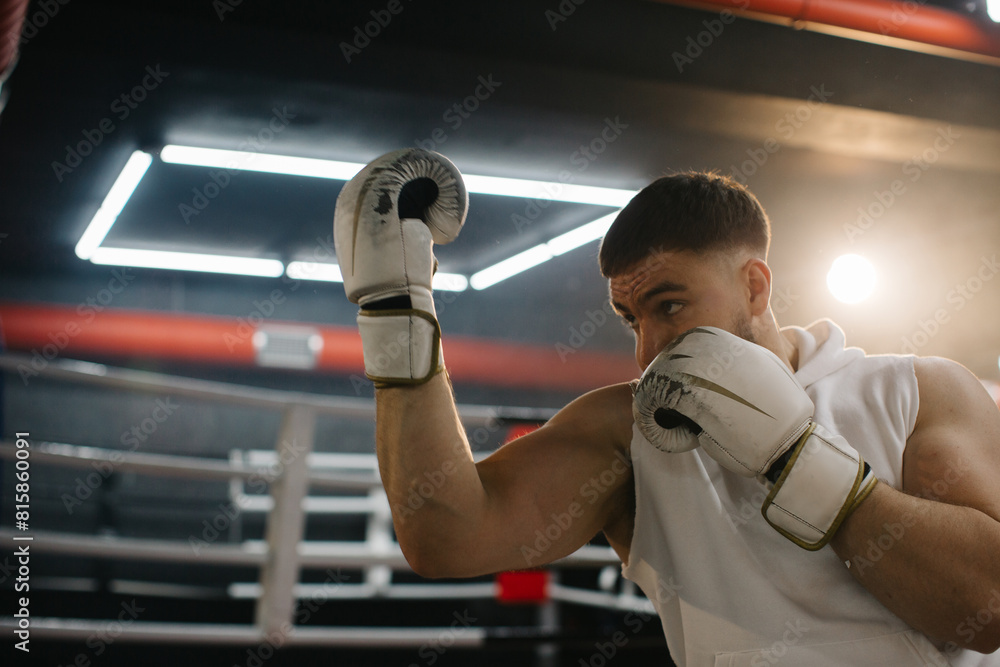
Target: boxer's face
[672,291]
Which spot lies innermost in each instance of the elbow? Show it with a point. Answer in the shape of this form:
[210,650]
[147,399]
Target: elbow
[427,559]
[988,641]
[425,564]
[980,630]
[440,559]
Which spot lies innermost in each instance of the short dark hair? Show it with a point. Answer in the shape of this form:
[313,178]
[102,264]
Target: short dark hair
[697,211]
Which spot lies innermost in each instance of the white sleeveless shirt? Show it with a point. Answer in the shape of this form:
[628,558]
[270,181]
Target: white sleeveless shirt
[728,588]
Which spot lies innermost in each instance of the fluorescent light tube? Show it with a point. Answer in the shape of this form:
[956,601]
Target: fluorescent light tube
[114,202]
[314,271]
[262,162]
[298,166]
[577,194]
[581,235]
[185,261]
[543,253]
[511,266]
[449,282]
[446,282]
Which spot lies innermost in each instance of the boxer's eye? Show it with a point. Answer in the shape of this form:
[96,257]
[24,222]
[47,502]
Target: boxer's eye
[671,307]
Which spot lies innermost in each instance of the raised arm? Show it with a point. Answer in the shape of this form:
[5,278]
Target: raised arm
[536,499]
[533,501]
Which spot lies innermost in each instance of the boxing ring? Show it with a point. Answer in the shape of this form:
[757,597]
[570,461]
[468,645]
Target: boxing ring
[308,483]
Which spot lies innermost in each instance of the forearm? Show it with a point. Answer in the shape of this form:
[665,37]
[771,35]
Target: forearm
[931,563]
[426,464]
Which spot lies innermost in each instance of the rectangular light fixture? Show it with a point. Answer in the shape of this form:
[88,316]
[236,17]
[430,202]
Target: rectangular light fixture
[446,282]
[185,261]
[344,171]
[119,194]
[89,246]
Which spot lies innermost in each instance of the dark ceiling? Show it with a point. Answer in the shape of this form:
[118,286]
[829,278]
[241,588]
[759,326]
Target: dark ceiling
[846,118]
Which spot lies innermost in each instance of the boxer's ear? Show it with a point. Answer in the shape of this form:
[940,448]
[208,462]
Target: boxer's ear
[758,283]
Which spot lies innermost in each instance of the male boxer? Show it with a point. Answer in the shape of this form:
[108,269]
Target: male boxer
[785,497]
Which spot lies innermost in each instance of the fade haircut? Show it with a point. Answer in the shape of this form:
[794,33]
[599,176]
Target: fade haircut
[696,211]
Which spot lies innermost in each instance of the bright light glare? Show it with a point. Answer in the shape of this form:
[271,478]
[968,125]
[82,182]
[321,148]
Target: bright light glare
[510,266]
[263,162]
[185,261]
[445,282]
[532,257]
[450,282]
[851,278]
[119,194]
[298,166]
[581,235]
[550,191]
[993,9]
[314,271]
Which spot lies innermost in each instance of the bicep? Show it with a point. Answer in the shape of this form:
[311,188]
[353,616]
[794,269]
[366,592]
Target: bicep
[549,492]
[953,454]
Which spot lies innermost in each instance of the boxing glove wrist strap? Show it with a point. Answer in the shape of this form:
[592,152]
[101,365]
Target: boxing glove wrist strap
[401,346]
[823,481]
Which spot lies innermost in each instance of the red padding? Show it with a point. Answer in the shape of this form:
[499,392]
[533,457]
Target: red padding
[93,331]
[523,587]
[11,24]
[517,430]
[913,21]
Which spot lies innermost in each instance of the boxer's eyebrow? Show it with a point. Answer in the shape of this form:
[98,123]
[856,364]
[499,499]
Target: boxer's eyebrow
[662,288]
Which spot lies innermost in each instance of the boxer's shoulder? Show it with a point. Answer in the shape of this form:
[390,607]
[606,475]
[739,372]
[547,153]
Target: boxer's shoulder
[605,414]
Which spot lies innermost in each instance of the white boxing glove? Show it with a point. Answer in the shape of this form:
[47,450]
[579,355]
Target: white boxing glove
[743,406]
[387,219]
